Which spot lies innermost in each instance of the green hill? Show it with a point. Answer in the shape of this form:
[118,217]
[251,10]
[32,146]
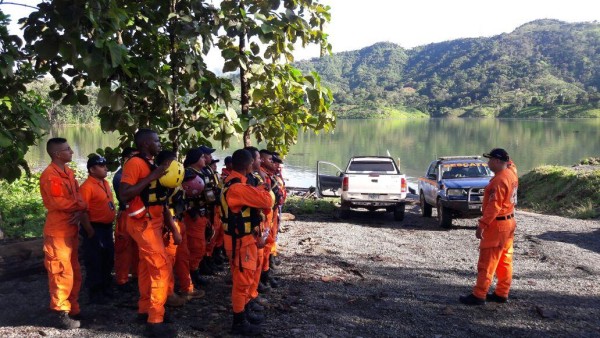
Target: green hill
[545,68]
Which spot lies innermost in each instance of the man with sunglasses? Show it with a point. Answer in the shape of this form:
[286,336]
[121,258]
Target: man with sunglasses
[99,250]
[66,210]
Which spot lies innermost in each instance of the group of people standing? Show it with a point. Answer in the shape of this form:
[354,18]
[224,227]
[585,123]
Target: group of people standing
[173,222]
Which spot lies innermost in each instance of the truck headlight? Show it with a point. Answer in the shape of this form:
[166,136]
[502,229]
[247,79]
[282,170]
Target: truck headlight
[454,192]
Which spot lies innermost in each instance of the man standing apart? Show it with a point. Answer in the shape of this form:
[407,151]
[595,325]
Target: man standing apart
[147,215]
[496,231]
[98,251]
[237,201]
[60,193]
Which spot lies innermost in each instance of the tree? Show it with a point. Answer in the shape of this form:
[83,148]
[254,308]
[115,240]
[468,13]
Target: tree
[276,99]
[21,112]
[147,60]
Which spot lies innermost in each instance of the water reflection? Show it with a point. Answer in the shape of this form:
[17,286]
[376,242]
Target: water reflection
[417,142]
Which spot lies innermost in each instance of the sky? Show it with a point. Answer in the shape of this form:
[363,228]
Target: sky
[360,23]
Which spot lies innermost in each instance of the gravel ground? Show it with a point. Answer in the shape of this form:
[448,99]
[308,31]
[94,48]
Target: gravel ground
[370,276]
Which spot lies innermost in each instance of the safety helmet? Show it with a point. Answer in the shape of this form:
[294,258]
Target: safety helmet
[173,176]
[193,187]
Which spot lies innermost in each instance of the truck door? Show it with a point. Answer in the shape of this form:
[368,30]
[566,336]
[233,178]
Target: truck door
[329,179]
[430,189]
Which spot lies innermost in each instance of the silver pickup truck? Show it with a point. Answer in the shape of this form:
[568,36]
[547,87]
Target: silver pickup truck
[370,182]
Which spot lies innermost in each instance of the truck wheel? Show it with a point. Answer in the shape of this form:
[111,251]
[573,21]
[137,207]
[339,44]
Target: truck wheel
[344,211]
[399,212]
[425,207]
[444,216]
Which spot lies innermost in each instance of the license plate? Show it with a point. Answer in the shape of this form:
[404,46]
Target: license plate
[474,206]
[373,196]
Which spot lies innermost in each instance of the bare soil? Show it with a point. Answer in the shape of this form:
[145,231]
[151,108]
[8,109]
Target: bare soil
[370,276]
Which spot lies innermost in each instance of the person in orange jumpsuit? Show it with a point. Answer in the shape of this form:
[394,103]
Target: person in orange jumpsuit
[212,263]
[146,220]
[254,179]
[268,170]
[66,210]
[496,231]
[278,175]
[195,218]
[178,254]
[237,200]
[126,251]
[98,251]
[226,170]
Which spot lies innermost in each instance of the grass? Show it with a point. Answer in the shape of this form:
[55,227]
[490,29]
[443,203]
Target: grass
[302,206]
[21,209]
[563,191]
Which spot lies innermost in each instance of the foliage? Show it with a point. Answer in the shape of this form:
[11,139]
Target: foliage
[144,61]
[590,161]
[60,114]
[21,111]
[21,209]
[563,191]
[145,58]
[545,68]
[301,206]
[276,99]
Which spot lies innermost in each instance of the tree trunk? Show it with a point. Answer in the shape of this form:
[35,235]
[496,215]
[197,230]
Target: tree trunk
[176,119]
[244,89]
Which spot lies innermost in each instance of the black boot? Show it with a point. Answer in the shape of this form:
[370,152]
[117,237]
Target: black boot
[243,327]
[263,285]
[471,300]
[254,306]
[253,317]
[270,280]
[61,320]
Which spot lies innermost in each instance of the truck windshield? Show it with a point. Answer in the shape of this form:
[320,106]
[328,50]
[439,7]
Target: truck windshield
[461,170]
[372,166]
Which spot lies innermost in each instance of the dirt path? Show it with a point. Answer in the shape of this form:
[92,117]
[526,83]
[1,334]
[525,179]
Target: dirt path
[373,277]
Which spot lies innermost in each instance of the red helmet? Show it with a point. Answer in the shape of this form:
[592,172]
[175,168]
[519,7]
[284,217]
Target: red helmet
[193,187]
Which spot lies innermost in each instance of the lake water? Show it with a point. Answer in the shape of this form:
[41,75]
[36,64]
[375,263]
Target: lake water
[416,142]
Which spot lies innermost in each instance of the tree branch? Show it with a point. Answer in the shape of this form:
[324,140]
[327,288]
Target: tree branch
[17,4]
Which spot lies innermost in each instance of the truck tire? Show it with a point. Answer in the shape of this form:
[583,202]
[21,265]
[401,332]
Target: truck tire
[399,212]
[344,211]
[444,216]
[426,208]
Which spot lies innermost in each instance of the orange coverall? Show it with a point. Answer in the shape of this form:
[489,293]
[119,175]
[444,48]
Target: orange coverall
[498,225]
[154,271]
[126,251]
[61,196]
[196,240]
[240,195]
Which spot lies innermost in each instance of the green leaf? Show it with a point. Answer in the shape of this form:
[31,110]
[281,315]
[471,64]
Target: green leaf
[103,97]
[257,95]
[5,140]
[266,28]
[116,54]
[117,101]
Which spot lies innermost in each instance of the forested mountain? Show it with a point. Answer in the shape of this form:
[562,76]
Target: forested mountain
[545,68]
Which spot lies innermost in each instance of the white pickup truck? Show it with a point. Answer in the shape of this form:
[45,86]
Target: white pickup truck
[370,182]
